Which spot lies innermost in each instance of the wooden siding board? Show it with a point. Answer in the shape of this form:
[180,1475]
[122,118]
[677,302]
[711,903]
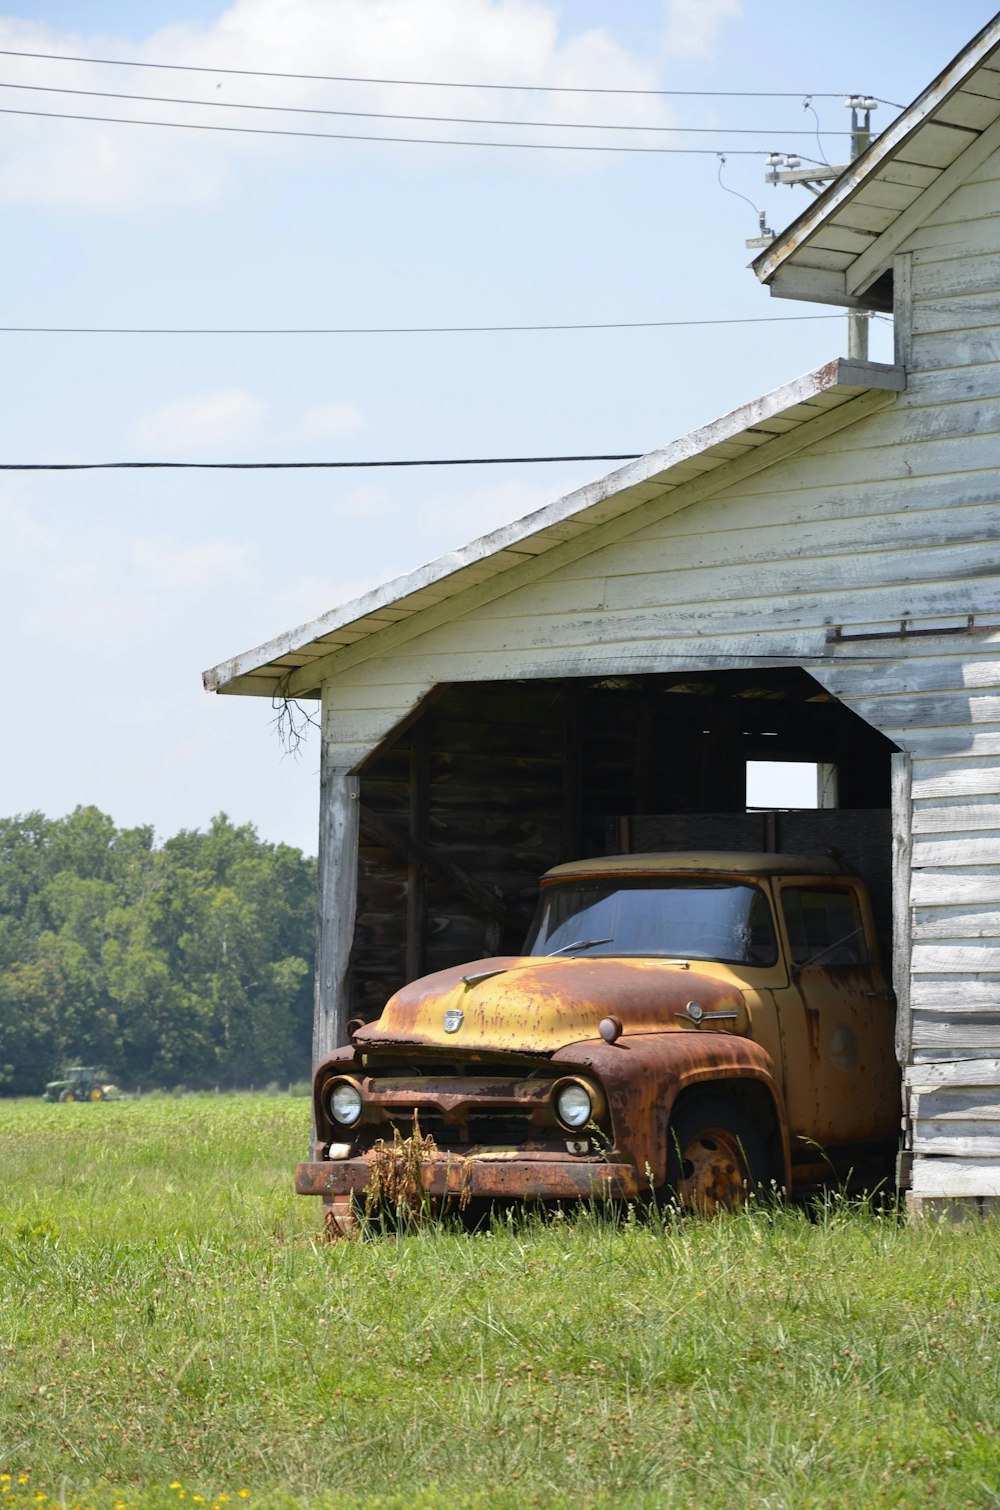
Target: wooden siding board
[950,887]
[958,1139]
[957,995]
[955,921]
[975,1073]
[957,778]
[956,1178]
[941,241]
[938,278]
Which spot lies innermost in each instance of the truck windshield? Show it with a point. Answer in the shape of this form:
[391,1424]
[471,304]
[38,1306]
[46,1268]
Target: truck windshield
[659,918]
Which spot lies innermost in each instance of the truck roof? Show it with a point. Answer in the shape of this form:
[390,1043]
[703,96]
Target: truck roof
[700,861]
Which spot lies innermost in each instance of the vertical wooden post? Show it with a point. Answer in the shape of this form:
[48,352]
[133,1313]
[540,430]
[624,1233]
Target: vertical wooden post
[572,772]
[902,308]
[902,854]
[339,806]
[416,879]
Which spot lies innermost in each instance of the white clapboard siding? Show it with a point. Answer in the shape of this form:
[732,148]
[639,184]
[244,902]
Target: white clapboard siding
[948,921]
[959,778]
[964,1033]
[956,1178]
[958,992]
[962,1140]
[965,1073]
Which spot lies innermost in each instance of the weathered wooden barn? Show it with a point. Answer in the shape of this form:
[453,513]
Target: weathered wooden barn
[813,577]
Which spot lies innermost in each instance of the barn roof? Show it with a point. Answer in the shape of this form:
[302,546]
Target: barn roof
[840,250]
[295,663]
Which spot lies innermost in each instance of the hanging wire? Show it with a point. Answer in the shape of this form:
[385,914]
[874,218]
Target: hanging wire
[722,162]
[807,104]
[384,115]
[342,78]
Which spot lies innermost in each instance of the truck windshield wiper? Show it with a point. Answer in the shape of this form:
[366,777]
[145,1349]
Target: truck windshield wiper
[578,944]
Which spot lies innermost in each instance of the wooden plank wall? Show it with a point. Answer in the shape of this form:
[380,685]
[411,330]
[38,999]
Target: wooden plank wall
[953,717]
[894,517]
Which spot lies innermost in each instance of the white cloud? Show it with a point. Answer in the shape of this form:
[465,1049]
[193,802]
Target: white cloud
[69,163]
[329,422]
[198,423]
[693,26]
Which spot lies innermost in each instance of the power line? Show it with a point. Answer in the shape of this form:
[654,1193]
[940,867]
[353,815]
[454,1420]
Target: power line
[299,466]
[383,115]
[346,78]
[389,330]
[351,136]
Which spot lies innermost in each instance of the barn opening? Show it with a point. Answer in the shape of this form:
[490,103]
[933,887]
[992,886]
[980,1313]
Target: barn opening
[488,784]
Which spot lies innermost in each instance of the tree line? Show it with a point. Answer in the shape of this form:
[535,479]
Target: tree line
[188,962]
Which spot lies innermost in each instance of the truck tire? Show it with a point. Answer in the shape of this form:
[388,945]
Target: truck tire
[716,1157]
[96,1094]
[66,1096]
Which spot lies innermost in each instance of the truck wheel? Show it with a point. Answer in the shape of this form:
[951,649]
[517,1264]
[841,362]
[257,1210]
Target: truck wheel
[96,1094]
[716,1156]
[66,1096]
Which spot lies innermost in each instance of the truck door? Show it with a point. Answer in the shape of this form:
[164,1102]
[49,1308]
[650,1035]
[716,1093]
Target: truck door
[837,1017]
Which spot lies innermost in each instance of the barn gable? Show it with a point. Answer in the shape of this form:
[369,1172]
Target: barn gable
[843,530]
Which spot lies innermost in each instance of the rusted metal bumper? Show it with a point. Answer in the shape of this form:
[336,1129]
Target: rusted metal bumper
[486,1176]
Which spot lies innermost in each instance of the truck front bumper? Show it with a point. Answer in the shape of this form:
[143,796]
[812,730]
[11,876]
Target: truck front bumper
[485,1176]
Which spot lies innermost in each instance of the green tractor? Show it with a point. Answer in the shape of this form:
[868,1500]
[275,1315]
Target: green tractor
[82,1083]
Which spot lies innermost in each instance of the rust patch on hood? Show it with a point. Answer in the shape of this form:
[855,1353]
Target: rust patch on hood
[535,1005]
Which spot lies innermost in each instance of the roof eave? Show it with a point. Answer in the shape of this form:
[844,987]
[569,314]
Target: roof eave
[268,669]
[830,288]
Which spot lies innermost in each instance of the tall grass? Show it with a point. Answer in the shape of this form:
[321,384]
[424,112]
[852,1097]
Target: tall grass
[169,1317]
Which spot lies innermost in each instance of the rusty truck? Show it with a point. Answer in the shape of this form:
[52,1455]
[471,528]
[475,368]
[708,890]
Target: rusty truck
[686,1028]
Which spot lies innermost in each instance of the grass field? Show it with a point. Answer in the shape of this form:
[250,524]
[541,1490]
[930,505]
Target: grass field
[172,1332]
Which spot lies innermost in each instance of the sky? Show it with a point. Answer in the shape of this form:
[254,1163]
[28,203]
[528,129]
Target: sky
[118,588]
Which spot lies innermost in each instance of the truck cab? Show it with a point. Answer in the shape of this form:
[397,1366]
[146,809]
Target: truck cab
[685,1026]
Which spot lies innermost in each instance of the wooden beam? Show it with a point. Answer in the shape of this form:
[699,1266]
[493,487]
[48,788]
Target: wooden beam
[572,785]
[817,285]
[416,875]
[902,856]
[475,892]
[336,903]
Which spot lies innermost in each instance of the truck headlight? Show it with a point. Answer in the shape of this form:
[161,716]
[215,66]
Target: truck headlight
[574,1105]
[344,1102]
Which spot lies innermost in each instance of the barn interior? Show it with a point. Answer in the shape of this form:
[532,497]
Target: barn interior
[488,784]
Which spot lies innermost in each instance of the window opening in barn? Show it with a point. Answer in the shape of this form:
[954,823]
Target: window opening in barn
[790,784]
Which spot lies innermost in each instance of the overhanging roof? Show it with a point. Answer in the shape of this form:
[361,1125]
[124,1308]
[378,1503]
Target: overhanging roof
[840,250]
[753,437]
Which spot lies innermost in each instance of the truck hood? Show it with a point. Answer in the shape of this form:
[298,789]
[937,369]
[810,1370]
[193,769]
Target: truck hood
[536,1005]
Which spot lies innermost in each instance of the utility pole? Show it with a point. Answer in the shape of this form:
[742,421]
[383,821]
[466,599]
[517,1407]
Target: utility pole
[861,135]
[786,168]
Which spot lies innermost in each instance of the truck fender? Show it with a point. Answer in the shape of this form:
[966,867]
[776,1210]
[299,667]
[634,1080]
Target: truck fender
[644,1074]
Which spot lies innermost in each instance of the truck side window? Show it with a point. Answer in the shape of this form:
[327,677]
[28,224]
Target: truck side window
[824,926]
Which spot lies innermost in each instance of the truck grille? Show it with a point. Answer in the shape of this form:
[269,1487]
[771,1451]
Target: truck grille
[500,1131]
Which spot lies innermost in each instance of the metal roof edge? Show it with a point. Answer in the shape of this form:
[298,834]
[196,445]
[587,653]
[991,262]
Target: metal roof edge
[881,150]
[840,373]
